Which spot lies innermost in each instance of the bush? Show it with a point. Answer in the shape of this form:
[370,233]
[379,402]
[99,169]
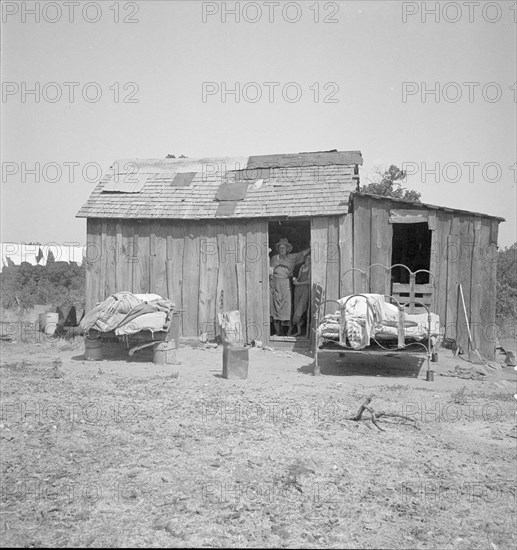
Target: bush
[57,283]
[506,304]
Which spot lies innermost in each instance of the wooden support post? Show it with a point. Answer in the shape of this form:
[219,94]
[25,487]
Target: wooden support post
[170,287]
[316,367]
[400,328]
[412,278]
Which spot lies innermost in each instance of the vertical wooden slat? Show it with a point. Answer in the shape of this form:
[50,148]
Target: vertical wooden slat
[152,257]
[439,260]
[128,256]
[255,234]
[475,285]
[464,275]
[110,263]
[169,273]
[221,274]
[135,260]
[489,255]
[434,261]
[159,257]
[333,258]
[191,280]
[208,271]
[119,259]
[142,284]
[240,270]
[175,246]
[104,260]
[346,246]
[432,220]
[453,243]
[362,224]
[319,238]
[380,248]
[228,244]
[264,262]
[93,262]
[412,278]
[231,300]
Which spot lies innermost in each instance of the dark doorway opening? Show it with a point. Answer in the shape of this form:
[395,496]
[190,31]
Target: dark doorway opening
[412,248]
[287,299]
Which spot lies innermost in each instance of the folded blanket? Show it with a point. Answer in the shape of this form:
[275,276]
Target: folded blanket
[359,316]
[148,321]
[123,312]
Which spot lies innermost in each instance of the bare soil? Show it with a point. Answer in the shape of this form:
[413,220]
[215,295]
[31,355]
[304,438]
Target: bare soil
[123,452]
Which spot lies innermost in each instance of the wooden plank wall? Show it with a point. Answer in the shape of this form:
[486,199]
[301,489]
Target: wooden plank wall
[372,243]
[213,267]
[487,280]
[466,233]
[346,254]
[439,263]
[330,248]
[463,250]
[94,256]
[256,261]
[362,242]
[381,239]
[219,266]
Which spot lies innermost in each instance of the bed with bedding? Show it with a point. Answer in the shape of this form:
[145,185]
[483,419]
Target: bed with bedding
[375,323]
[147,319]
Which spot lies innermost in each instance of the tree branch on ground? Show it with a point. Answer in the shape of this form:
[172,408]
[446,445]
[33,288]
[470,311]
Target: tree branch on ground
[374,417]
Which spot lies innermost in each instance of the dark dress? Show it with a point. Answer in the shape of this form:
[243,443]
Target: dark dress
[301,294]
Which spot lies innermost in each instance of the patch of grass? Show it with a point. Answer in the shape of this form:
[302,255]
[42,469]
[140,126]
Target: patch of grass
[395,387]
[68,344]
[16,365]
[460,397]
[294,474]
[494,396]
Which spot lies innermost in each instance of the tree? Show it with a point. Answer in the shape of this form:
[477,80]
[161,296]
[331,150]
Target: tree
[57,283]
[506,305]
[50,257]
[390,186]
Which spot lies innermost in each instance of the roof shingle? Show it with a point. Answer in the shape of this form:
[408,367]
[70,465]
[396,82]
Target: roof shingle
[293,185]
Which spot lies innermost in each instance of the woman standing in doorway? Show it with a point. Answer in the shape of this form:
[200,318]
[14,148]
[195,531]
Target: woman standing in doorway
[280,271]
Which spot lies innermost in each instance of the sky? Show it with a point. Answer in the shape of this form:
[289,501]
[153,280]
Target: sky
[152,78]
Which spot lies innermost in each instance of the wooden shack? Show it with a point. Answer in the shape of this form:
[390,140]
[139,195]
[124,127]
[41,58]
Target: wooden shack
[200,231]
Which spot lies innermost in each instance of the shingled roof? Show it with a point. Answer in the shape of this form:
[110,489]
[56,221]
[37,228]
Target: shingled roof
[290,185]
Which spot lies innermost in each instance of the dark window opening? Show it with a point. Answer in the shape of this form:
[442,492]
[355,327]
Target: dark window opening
[412,248]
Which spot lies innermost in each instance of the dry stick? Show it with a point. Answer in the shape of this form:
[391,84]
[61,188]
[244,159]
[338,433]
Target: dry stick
[362,408]
[375,417]
[395,415]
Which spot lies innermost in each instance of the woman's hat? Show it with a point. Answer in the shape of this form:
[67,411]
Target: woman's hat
[284,240]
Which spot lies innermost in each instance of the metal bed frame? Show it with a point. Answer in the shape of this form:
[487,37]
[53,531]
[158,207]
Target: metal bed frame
[429,348]
[147,338]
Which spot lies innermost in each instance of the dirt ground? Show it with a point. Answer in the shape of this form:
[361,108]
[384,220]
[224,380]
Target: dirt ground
[122,452]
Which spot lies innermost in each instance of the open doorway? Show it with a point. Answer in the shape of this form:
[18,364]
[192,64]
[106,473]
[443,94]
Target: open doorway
[290,279]
[412,248]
